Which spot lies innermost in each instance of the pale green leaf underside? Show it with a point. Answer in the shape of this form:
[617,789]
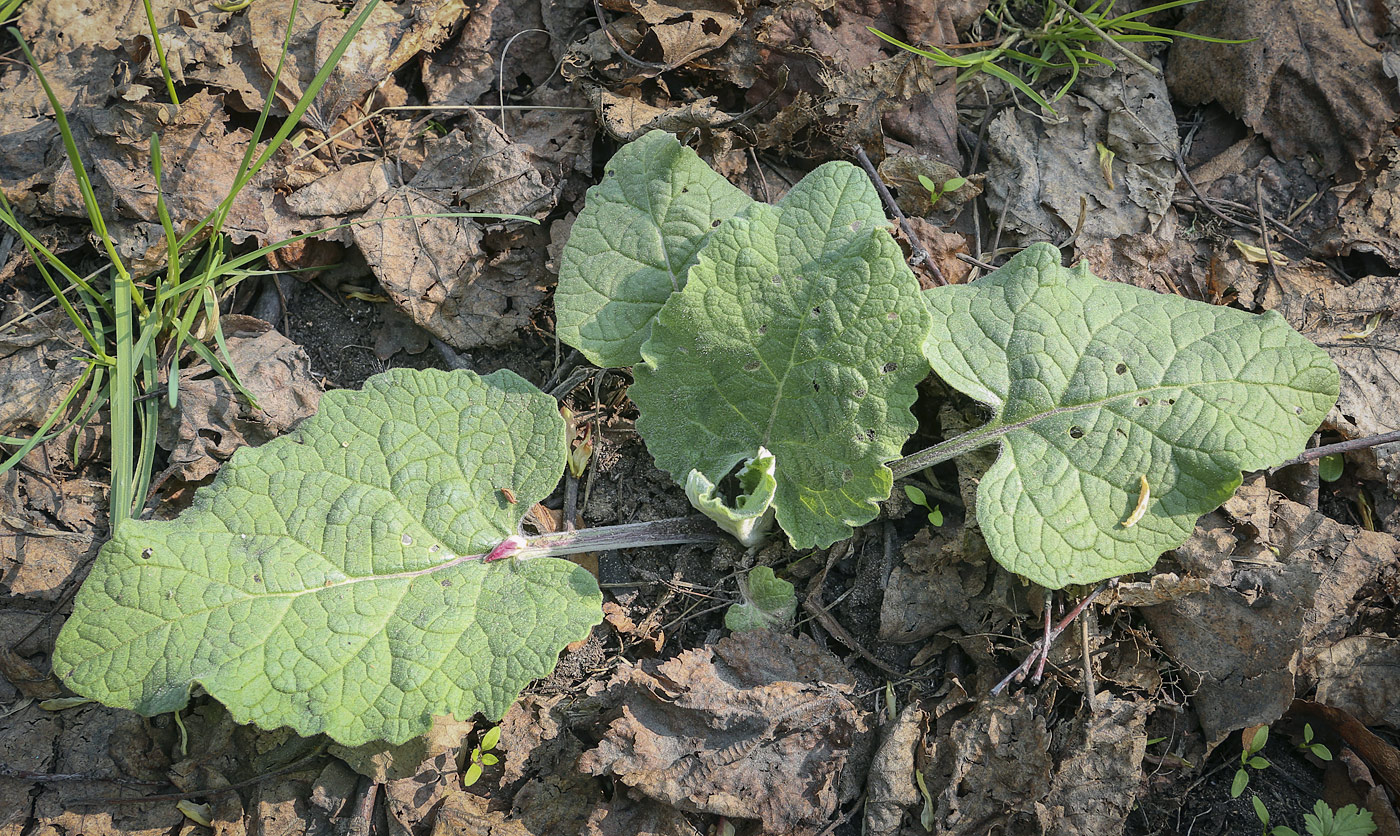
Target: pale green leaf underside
[633,244]
[769,603]
[799,331]
[325,581]
[1096,384]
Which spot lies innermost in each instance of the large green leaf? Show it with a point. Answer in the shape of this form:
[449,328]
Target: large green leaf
[799,332]
[331,580]
[1096,385]
[633,244]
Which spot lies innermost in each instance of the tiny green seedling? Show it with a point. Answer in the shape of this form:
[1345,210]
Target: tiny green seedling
[916,495]
[481,756]
[1329,468]
[1308,746]
[1250,759]
[936,192]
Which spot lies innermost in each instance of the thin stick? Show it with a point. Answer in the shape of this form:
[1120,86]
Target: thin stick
[921,255]
[1127,53]
[1341,447]
[1044,652]
[1264,224]
[1055,632]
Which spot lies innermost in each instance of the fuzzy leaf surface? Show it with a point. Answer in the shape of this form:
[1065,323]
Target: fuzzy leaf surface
[331,579]
[634,243]
[1095,385]
[799,331]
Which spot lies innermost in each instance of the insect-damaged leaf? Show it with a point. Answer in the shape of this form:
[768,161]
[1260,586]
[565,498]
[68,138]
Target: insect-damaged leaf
[1096,385]
[330,580]
[799,332]
[634,243]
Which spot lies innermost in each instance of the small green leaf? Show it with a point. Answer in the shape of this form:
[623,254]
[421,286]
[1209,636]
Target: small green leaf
[1257,762]
[634,243]
[331,580]
[751,516]
[1260,810]
[769,603]
[916,495]
[953,184]
[1241,781]
[1320,752]
[491,738]
[472,775]
[930,810]
[798,332]
[1098,385]
[1329,468]
[1307,732]
[1283,830]
[488,759]
[928,184]
[935,516]
[1259,741]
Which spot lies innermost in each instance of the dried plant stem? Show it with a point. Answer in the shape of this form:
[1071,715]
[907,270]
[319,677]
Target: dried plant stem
[921,255]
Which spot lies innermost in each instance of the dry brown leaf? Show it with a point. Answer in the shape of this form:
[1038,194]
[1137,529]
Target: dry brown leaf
[1098,770]
[1368,221]
[1334,315]
[988,769]
[1306,80]
[211,421]
[1241,643]
[757,726]
[1046,179]
[890,791]
[1361,675]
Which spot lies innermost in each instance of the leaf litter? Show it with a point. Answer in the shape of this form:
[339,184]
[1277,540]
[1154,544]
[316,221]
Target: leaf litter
[1286,592]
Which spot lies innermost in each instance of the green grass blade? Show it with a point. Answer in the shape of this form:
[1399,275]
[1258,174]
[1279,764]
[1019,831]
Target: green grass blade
[160,53]
[294,118]
[936,54]
[42,434]
[994,70]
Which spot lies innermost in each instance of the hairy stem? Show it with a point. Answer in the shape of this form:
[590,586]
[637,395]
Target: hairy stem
[670,531]
[950,449]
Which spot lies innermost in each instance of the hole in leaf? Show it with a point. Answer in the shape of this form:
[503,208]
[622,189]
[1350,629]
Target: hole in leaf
[1141,401]
[1121,368]
[407,539]
[751,366]
[815,386]
[762,329]
[816,312]
[1169,401]
[685,190]
[147,552]
[1120,431]
[257,579]
[847,475]
[714,224]
[891,316]
[869,435]
[612,172]
[1076,432]
[889,367]
[1297,410]
[855,226]
[859,393]
[446,584]
[777,280]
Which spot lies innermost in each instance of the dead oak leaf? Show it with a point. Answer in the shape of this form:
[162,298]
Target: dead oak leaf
[1305,80]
